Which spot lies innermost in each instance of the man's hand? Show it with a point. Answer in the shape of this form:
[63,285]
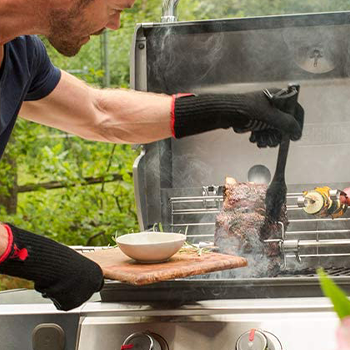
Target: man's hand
[59,273]
[248,112]
[273,137]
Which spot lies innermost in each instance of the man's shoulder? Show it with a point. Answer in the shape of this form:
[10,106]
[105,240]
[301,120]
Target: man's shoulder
[25,42]
[27,51]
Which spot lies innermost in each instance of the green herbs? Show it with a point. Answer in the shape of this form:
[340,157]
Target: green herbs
[190,248]
[114,239]
[116,235]
[157,227]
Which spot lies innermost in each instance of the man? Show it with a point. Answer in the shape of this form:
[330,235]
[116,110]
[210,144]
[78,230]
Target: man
[31,87]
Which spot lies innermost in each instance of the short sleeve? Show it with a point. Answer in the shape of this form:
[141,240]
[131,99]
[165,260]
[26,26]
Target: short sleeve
[45,75]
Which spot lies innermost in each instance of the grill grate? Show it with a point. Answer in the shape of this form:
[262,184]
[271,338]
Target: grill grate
[333,271]
[308,237]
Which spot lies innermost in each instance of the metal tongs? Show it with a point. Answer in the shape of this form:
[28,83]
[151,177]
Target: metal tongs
[285,100]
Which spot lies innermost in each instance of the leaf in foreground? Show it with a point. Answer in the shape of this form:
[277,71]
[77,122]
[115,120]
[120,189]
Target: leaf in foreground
[337,296]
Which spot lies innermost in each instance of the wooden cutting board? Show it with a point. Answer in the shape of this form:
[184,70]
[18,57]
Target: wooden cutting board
[117,266]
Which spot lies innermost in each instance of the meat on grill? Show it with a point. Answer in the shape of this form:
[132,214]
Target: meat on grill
[242,226]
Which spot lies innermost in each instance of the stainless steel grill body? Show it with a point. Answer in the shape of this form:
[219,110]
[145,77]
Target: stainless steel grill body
[209,325]
[299,323]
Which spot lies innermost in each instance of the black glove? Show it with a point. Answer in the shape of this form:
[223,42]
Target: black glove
[59,273]
[246,112]
[273,137]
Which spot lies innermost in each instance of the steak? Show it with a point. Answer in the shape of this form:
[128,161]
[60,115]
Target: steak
[242,226]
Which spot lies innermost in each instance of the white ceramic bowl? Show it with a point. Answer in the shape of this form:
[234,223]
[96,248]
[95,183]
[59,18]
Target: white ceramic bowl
[151,247]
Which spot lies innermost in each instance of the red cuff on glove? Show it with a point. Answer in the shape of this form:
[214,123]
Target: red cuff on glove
[12,251]
[172,115]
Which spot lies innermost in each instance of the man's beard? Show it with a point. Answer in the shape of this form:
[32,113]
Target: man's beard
[63,25]
[67,48]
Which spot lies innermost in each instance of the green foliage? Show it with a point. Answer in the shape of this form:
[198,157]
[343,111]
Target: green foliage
[194,9]
[7,282]
[78,212]
[339,299]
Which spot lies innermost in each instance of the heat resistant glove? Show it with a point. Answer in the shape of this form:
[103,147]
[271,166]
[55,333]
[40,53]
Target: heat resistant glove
[246,112]
[59,273]
[272,137]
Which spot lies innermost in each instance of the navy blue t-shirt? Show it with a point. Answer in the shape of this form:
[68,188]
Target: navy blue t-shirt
[26,75]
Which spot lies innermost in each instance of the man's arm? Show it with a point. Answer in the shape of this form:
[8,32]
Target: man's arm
[118,116]
[126,116]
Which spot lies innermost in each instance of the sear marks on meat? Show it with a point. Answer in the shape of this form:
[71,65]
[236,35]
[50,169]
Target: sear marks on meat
[242,226]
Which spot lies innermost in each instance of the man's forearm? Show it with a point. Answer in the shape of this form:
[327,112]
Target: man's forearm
[3,240]
[134,117]
[113,115]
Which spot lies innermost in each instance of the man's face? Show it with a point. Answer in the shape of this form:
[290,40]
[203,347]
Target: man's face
[71,28]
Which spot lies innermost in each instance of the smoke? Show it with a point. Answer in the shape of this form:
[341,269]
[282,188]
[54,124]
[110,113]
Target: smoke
[169,169]
[244,240]
[163,62]
[175,51]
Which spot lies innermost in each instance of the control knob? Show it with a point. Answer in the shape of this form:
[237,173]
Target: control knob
[144,341]
[256,339]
